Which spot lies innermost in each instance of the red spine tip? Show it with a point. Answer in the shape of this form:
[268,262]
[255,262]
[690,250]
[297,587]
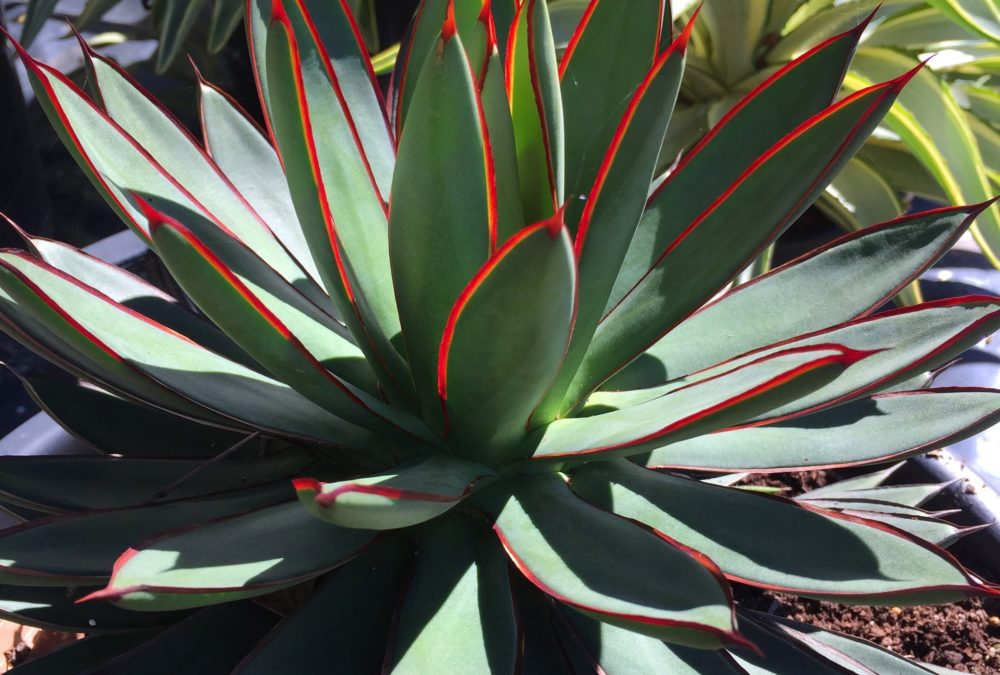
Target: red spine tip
[155,218]
[852,356]
[279,13]
[486,13]
[685,36]
[739,640]
[905,78]
[557,222]
[306,484]
[860,28]
[450,27]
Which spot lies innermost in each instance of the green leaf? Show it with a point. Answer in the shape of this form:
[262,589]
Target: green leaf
[415,50]
[979,16]
[177,19]
[441,218]
[846,650]
[912,340]
[611,51]
[505,339]
[153,361]
[755,538]
[780,655]
[70,483]
[819,26]
[233,265]
[401,497]
[135,293]
[232,558]
[614,204]
[614,650]
[249,160]
[860,196]
[864,481]
[348,614]
[457,615]
[573,551]
[920,29]
[536,110]
[55,608]
[496,112]
[886,256]
[503,17]
[268,328]
[136,146]
[323,159]
[472,22]
[341,38]
[902,169]
[226,17]
[211,641]
[933,127]
[736,27]
[905,495]
[747,216]
[788,98]
[37,12]
[928,528]
[903,344]
[701,408]
[543,653]
[874,429]
[80,549]
[65,346]
[93,11]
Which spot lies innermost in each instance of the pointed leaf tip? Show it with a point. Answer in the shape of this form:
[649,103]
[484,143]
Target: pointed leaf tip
[450,27]
[279,14]
[557,222]
[153,216]
[682,40]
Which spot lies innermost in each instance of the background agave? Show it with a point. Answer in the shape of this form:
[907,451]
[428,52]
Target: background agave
[474,332]
[175,21]
[940,141]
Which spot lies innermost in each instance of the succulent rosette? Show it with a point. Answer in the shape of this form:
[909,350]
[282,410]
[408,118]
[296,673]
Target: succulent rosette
[446,376]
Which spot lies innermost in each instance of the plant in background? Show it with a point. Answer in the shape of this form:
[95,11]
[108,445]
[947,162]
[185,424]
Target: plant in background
[941,140]
[174,22]
[491,354]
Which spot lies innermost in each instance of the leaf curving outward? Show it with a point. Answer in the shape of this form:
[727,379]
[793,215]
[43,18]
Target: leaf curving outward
[568,548]
[748,215]
[779,544]
[153,362]
[872,429]
[702,407]
[405,496]
[229,559]
[886,256]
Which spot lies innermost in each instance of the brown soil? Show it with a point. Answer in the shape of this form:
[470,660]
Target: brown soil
[964,636]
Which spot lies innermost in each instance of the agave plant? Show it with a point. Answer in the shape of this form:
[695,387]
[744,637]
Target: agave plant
[460,364]
[940,141]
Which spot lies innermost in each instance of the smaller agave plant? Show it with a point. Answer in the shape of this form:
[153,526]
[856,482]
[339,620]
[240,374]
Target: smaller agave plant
[463,367]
